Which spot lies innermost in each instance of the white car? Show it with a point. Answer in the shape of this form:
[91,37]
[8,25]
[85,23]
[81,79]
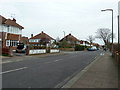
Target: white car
[93,48]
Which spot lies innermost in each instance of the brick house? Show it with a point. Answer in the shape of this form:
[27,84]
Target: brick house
[24,40]
[84,43]
[41,40]
[70,41]
[10,32]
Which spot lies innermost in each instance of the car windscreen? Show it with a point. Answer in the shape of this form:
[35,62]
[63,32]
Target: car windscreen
[20,46]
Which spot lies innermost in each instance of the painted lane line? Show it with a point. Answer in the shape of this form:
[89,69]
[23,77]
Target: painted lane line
[54,61]
[48,62]
[58,60]
[13,70]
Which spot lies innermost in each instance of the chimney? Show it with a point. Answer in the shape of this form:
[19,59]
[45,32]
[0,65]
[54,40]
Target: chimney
[31,35]
[70,34]
[42,32]
[14,19]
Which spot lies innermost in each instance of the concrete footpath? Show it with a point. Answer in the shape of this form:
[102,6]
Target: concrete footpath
[101,73]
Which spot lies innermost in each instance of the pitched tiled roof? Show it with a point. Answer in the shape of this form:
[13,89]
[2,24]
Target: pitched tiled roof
[69,38]
[2,19]
[13,23]
[42,36]
[10,22]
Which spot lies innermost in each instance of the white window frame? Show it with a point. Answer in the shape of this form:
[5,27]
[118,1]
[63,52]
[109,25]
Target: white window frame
[7,42]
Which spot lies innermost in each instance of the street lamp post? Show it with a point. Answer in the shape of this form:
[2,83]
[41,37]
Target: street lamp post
[112,23]
[118,34]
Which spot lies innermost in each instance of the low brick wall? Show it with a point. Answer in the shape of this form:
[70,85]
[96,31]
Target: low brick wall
[54,50]
[116,52]
[41,51]
[5,51]
[37,51]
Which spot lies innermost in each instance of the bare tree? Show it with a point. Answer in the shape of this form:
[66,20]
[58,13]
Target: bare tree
[104,34]
[90,39]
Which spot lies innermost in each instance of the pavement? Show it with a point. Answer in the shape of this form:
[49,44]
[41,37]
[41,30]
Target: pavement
[101,73]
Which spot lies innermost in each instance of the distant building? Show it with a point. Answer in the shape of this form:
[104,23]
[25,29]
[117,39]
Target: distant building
[84,43]
[41,39]
[10,32]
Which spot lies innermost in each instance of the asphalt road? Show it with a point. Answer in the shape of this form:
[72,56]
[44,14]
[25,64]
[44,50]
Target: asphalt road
[45,72]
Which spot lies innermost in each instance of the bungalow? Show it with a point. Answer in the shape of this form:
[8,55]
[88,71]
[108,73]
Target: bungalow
[10,32]
[41,40]
[69,41]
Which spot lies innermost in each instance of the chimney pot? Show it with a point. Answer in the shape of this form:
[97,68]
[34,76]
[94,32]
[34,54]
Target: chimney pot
[31,35]
[14,19]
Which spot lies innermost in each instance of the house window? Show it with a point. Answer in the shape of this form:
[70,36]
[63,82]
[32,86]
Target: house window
[11,43]
[7,42]
[34,40]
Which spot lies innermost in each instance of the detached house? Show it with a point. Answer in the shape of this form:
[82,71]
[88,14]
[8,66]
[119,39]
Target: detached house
[10,32]
[41,40]
[70,41]
[84,43]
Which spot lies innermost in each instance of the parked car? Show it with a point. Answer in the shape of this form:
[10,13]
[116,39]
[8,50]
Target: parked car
[93,48]
[20,48]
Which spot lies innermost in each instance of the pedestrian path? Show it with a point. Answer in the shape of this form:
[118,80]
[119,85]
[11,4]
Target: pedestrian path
[103,73]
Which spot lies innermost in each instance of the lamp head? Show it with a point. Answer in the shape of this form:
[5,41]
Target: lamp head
[107,10]
[103,10]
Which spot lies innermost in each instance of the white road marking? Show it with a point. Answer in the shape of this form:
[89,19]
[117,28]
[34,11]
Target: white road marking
[48,62]
[58,60]
[13,70]
[54,61]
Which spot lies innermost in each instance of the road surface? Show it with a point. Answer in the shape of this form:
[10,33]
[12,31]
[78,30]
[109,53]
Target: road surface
[45,72]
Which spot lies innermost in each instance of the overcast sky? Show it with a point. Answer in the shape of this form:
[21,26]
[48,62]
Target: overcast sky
[79,17]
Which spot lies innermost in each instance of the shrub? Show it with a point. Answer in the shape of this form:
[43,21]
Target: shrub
[79,48]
